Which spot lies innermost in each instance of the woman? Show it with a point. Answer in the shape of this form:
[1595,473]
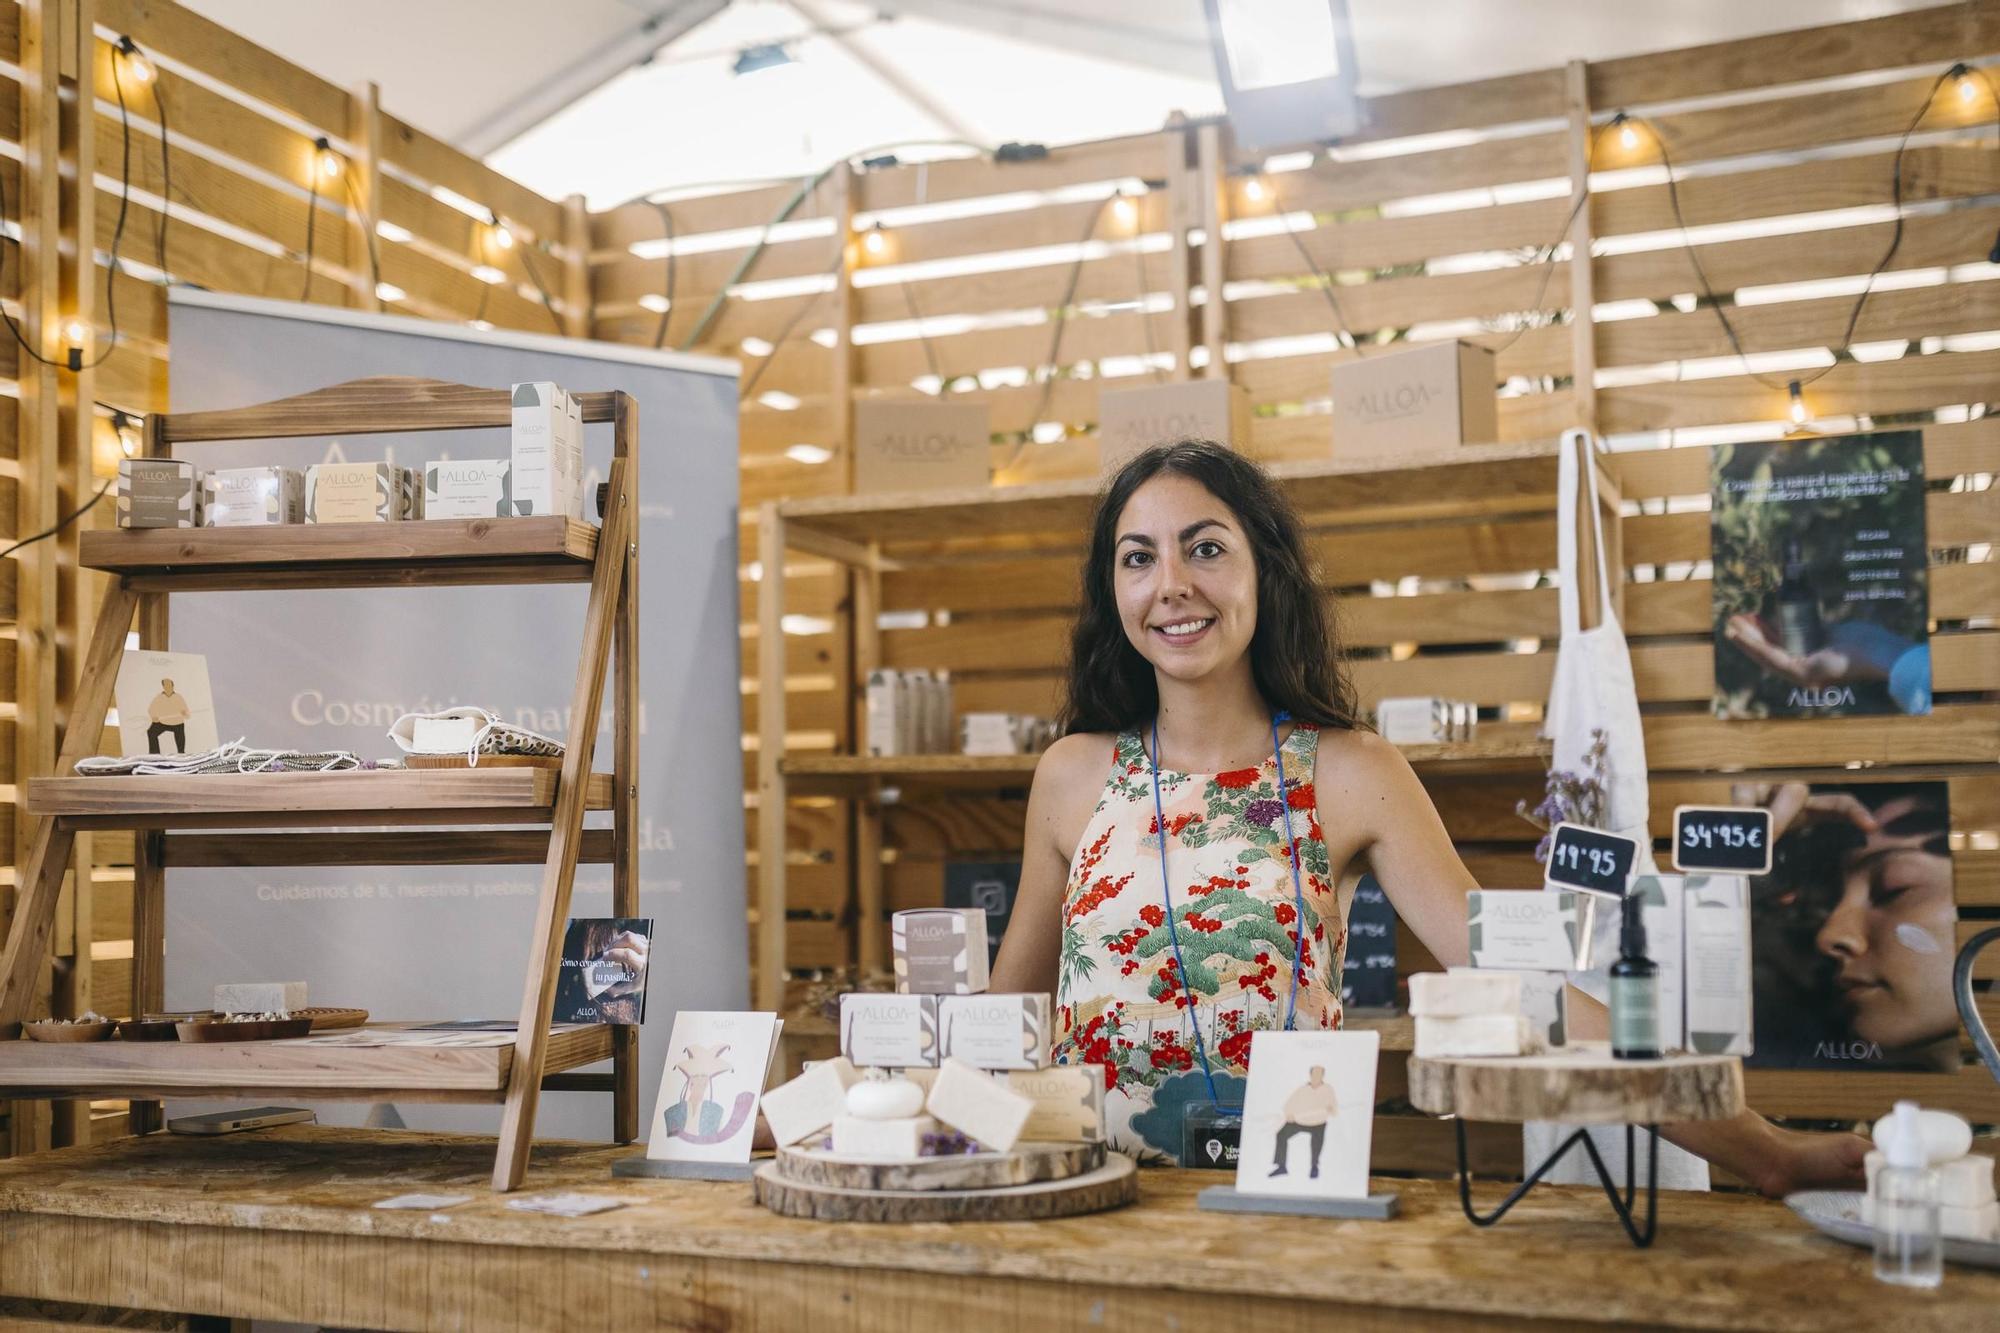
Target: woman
[1203,654]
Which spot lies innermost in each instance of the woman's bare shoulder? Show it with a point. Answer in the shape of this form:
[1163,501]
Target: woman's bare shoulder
[1079,758]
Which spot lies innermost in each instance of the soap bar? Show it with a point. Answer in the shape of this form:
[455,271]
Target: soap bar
[995,1031]
[1464,993]
[876,1098]
[924,1076]
[260,997]
[890,1031]
[1946,1137]
[158,493]
[978,1106]
[1965,1182]
[939,950]
[1474,1035]
[1069,1102]
[237,497]
[357,493]
[882,1140]
[1981,1223]
[1544,1003]
[810,1102]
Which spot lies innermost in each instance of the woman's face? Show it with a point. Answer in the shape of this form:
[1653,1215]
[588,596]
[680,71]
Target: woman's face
[1185,578]
[1892,933]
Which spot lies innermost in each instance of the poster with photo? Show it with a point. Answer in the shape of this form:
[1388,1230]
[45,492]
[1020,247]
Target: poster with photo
[164,704]
[1309,1114]
[1854,930]
[714,1076]
[602,975]
[1821,586]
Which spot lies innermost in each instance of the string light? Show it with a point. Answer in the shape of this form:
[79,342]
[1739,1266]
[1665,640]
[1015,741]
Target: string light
[1968,91]
[875,241]
[1126,211]
[76,334]
[127,431]
[135,59]
[1628,137]
[497,233]
[328,160]
[1253,190]
[1798,403]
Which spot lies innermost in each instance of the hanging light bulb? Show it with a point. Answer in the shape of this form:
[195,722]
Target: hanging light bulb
[1628,136]
[874,241]
[1253,190]
[127,431]
[135,59]
[1798,404]
[328,160]
[76,339]
[497,233]
[1968,91]
[1125,210]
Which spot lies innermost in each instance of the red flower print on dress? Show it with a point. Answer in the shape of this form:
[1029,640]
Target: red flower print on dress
[1235,1049]
[1152,915]
[1237,778]
[1285,914]
[1301,798]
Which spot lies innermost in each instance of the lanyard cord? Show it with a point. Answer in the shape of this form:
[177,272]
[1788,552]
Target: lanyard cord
[1167,894]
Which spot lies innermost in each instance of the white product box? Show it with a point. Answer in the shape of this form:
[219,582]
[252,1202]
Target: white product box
[1131,421]
[1463,992]
[995,1031]
[356,493]
[158,493]
[1423,720]
[886,726]
[882,1140]
[890,1031]
[1069,1102]
[1417,403]
[978,1105]
[546,476]
[1661,900]
[1534,930]
[939,950]
[242,497]
[810,1102]
[1716,925]
[467,488]
[1472,1036]
[260,997]
[1964,1182]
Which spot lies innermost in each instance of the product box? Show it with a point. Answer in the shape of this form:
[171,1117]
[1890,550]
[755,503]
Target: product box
[1069,1102]
[239,497]
[927,445]
[890,1031]
[884,706]
[356,493]
[413,492]
[995,1031]
[1131,421]
[466,488]
[913,719]
[1661,899]
[1414,721]
[1716,924]
[546,472]
[1416,404]
[1535,930]
[939,950]
[158,493]
[260,997]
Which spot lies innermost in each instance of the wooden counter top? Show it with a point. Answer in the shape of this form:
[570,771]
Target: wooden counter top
[278,1225]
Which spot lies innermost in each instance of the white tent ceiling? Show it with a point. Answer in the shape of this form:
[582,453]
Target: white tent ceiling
[561,95]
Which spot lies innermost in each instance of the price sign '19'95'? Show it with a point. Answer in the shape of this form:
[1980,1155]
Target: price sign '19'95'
[1591,859]
[1727,837]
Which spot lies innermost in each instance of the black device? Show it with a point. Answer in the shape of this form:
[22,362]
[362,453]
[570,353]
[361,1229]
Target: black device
[1591,860]
[1731,838]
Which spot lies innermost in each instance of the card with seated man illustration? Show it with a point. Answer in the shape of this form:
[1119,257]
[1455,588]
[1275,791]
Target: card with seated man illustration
[1309,1114]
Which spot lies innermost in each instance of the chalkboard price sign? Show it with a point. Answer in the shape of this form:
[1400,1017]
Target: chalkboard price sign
[1591,859]
[1727,837]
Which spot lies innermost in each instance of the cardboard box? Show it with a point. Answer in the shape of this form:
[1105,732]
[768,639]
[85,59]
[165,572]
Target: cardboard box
[1661,900]
[1716,912]
[1069,1102]
[995,1031]
[546,473]
[1415,404]
[356,493]
[939,950]
[1533,930]
[467,488]
[241,497]
[158,493]
[1131,421]
[886,726]
[890,1031]
[921,446]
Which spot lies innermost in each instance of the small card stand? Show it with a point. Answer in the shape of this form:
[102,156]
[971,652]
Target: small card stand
[1229,1199]
[640,1166]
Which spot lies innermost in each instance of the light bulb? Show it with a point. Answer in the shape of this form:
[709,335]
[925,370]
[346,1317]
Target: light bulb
[1628,138]
[328,160]
[874,242]
[77,333]
[1253,190]
[502,238]
[1126,211]
[135,59]
[1968,91]
[1798,404]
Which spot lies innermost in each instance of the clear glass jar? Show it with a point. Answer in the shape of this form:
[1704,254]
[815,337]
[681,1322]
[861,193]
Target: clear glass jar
[1908,1248]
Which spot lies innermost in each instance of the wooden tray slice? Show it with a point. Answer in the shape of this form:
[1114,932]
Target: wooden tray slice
[1580,1085]
[269,1029]
[1026,1165]
[1112,1185]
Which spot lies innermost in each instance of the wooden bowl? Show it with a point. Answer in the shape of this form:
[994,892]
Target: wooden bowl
[270,1029]
[147,1029]
[46,1031]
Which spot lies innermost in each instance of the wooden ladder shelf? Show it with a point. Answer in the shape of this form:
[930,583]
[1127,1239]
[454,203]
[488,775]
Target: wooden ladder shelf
[425,817]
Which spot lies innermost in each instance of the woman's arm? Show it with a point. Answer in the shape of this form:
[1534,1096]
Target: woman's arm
[1059,805]
[1390,817]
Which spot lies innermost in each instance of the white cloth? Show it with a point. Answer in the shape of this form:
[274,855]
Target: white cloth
[1593,692]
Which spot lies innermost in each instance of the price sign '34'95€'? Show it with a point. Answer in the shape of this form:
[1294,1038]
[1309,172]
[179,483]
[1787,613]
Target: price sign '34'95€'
[1591,860]
[1732,838]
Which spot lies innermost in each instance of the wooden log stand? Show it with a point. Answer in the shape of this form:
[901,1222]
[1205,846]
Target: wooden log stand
[1581,1085]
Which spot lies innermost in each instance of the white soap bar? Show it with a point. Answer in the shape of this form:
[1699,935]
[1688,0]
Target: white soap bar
[889,1031]
[978,1106]
[924,1076]
[260,997]
[810,1102]
[1544,1003]
[882,1140]
[1465,993]
[1946,1136]
[1069,1102]
[884,1099]
[995,1031]
[1981,1223]
[1966,1182]
[1474,1035]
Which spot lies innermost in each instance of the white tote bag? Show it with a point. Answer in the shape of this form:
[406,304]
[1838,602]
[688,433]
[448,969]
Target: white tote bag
[1593,694]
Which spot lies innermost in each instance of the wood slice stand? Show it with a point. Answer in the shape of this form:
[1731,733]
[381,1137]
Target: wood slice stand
[1028,1164]
[1112,1185]
[1580,1084]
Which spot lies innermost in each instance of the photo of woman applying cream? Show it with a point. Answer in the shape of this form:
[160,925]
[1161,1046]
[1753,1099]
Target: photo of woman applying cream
[1853,929]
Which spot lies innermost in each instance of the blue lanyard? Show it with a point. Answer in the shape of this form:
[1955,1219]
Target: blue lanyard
[1167,894]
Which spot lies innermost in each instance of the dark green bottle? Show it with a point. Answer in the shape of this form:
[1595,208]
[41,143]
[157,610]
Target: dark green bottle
[1635,990]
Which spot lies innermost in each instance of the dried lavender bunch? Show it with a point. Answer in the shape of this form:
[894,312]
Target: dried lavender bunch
[1573,798]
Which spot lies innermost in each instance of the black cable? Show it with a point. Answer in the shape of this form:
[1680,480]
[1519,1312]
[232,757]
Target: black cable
[1548,253]
[1050,363]
[1145,315]
[73,516]
[777,343]
[367,226]
[666,225]
[930,350]
[548,302]
[1326,281]
[312,214]
[166,174]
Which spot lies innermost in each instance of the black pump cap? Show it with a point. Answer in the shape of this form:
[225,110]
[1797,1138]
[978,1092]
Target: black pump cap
[1632,927]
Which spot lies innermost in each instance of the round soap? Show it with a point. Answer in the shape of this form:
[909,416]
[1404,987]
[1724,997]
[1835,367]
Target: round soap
[885,1099]
[1946,1136]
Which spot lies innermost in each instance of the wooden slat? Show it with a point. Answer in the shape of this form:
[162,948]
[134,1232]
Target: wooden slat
[187,37]
[1912,384]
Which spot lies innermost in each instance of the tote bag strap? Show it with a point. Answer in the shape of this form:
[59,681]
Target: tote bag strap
[1577,467]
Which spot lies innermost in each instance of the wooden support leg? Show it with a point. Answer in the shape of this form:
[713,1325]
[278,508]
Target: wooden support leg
[624,837]
[149,981]
[531,1039]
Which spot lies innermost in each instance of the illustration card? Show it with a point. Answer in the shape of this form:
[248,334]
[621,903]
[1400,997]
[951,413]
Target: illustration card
[1309,1114]
[710,1087]
[164,704]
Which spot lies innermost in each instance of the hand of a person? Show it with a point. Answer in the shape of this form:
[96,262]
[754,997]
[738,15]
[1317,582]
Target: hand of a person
[1799,1161]
[1795,803]
[629,951]
[1827,666]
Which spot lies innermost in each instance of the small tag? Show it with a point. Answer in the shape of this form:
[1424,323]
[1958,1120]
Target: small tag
[1211,1136]
[420,1202]
[568,1204]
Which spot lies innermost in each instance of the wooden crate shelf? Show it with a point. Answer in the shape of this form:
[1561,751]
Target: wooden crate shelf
[496,796]
[428,552]
[280,1068]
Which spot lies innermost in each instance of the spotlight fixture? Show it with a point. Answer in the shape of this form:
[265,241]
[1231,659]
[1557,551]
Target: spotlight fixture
[1125,210]
[1286,68]
[127,430]
[768,55]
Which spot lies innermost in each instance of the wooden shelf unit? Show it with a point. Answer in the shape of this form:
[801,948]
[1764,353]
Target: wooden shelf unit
[877,534]
[148,565]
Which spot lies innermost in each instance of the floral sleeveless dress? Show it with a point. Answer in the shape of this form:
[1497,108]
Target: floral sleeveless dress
[1120,999]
